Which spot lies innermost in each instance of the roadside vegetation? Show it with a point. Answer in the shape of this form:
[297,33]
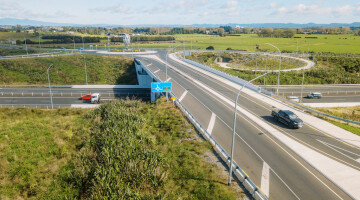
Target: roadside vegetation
[351,113]
[68,70]
[122,150]
[12,52]
[246,61]
[329,69]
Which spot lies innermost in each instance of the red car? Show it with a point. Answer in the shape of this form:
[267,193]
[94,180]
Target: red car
[86,97]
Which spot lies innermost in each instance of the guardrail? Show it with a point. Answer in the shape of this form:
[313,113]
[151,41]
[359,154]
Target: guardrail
[255,192]
[38,55]
[252,52]
[258,89]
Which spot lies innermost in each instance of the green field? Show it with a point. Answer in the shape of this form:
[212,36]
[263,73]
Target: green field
[323,43]
[69,70]
[123,150]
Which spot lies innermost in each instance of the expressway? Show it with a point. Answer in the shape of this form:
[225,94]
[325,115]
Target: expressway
[279,172]
[330,93]
[64,97]
[273,166]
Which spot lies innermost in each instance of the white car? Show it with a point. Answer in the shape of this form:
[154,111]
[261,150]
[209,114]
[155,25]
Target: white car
[293,98]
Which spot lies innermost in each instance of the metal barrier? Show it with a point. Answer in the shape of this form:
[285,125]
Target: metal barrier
[258,89]
[238,172]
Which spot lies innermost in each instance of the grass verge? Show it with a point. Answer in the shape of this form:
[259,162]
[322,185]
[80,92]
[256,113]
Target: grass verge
[69,70]
[133,150]
[351,113]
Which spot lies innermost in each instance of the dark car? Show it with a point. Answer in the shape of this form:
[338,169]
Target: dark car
[288,118]
[314,95]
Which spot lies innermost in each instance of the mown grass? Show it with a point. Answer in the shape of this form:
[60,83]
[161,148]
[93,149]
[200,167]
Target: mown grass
[69,70]
[123,150]
[34,145]
[323,43]
[247,61]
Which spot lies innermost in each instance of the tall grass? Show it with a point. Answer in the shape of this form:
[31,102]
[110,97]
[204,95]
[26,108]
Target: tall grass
[140,151]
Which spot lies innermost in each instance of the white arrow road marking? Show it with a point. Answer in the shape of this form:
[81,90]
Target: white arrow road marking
[156,71]
[168,79]
[183,95]
[211,123]
[265,179]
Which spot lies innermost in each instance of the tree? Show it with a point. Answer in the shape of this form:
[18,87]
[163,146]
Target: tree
[247,30]
[221,31]
[210,48]
[345,30]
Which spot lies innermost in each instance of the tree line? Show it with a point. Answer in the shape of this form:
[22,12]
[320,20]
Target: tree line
[144,38]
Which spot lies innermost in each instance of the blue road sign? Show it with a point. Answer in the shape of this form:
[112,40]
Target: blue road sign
[91,45]
[161,87]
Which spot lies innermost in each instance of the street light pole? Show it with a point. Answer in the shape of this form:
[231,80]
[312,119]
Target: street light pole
[234,127]
[39,43]
[277,90]
[52,105]
[27,53]
[74,42]
[166,64]
[302,86]
[85,70]
[83,42]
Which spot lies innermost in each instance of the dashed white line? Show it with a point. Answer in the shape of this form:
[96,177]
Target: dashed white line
[211,123]
[168,79]
[156,71]
[148,65]
[358,160]
[265,179]
[183,95]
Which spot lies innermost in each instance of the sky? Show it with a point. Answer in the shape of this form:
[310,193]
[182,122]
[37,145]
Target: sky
[182,12]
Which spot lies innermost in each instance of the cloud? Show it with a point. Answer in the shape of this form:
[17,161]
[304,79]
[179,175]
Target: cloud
[314,9]
[9,6]
[117,9]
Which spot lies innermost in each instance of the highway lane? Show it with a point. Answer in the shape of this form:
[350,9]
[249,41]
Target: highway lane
[64,96]
[262,110]
[330,93]
[226,91]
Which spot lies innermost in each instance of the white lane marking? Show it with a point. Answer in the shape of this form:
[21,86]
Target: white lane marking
[226,105]
[183,95]
[156,71]
[148,65]
[333,148]
[358,160]
[168,79]
[265,179]
[242,110]
[211,123]
[339,148]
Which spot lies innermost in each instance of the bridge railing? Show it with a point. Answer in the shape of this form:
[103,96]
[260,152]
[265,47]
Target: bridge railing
[238,172]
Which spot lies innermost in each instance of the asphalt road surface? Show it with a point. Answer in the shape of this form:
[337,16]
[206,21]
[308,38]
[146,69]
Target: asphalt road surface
[256,151]
[64,97]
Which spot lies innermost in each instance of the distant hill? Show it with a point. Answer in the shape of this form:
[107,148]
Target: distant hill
[29,22]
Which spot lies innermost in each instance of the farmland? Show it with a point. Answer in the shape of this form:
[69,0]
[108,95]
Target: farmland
[123,150]
[68,70]
[344,43]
